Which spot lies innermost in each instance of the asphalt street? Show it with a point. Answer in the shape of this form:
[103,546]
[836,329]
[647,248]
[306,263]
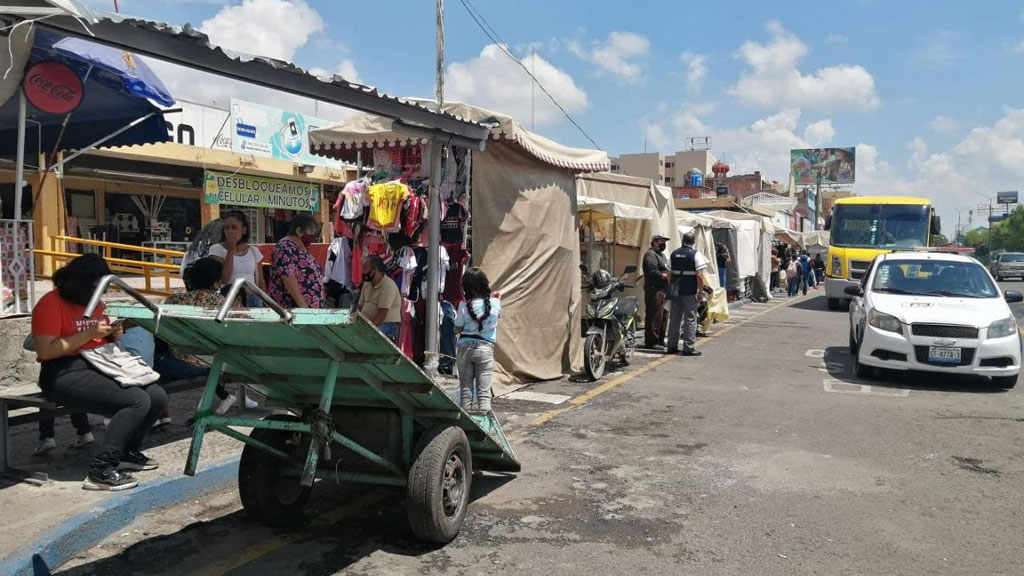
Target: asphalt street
[765,456]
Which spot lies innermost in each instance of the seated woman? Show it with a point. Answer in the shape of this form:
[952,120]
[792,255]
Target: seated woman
[61,330]
[202,279]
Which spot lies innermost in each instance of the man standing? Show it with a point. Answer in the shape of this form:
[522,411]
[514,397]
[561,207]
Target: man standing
[380,301]
[656,276]
[688,267]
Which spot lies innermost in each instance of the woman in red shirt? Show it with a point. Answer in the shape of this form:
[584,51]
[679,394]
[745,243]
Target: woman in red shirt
[61,330]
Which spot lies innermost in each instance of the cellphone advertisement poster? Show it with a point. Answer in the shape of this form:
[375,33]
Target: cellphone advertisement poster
[264,131]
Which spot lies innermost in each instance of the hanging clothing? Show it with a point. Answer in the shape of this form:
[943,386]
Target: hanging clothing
[385,204]
[453,224]
[353,199]
[407,263]
[452,285]
[337,269]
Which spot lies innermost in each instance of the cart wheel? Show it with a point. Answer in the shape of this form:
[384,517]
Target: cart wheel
[439,482]
[268,492]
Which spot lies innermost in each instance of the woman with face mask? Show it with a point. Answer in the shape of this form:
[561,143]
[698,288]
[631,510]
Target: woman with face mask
[296,279]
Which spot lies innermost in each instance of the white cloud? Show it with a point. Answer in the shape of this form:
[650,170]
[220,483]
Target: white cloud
[820,132]
[346,69]
[696,69]
[1017,48]
[773,80]
[944,125]
[618,56]
[273,28]
[494,81]
[834,38]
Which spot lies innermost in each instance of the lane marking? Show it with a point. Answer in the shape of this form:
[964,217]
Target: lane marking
[591,394]
[537,397]
[837,386]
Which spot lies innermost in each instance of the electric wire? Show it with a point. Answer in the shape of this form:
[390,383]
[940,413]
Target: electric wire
[489,31]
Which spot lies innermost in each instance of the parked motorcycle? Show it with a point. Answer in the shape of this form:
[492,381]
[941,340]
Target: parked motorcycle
[610,324]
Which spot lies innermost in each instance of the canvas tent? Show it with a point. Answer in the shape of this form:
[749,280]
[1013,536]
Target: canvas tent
[524,219]
[702,228]
[749,239]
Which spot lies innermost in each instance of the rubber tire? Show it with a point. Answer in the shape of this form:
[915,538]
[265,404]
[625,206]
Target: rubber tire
[854,349]
[860,370]
[834,304]
[259,474]
[424,505]
[999,278]
[594,372]
[1004,382]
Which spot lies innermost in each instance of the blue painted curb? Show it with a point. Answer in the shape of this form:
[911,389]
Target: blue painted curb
[81,532]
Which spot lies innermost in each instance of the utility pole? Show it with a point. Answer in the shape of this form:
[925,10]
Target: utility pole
[431,347]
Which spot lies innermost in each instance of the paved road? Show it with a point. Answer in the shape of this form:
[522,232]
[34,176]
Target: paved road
[765,456]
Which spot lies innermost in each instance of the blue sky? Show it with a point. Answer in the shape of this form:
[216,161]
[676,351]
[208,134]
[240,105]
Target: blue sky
[930,92]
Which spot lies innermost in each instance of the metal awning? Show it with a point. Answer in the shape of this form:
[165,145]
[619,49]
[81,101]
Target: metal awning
[190,48]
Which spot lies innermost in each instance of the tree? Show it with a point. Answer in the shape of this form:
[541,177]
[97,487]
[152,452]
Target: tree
[976,238]
[940,240]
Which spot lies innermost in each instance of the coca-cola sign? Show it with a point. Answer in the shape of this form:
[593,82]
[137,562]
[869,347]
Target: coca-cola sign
[53,87]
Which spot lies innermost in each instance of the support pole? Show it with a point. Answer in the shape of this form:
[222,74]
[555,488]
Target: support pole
[19,168]
[431,346]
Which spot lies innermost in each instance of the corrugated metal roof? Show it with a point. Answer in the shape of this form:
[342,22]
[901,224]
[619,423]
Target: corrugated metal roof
[186,46]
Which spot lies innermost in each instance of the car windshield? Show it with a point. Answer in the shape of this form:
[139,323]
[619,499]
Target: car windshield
[934,278]
[880,225]
[1017,257]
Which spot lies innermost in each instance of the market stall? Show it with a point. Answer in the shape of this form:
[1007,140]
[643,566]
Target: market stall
[600,250]
[512,210]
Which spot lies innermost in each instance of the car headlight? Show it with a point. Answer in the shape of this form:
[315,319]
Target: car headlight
[884,321]
[1002,328]
[837,266]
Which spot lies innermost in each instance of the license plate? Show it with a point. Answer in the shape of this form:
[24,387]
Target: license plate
[943,354]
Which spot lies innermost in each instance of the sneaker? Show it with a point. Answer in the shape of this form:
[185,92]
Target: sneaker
[109,479]
[84,440]
[135,460]
[106,422]
[692,353]
[251,404]
[162,422]
[45,446]
[226,404]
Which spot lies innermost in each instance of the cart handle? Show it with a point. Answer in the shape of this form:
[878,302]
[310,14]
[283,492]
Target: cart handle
[250,286]
[104,285]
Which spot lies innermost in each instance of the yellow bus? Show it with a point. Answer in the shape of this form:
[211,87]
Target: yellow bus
[863,227]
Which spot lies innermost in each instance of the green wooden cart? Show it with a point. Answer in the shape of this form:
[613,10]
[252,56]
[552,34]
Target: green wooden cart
[353,409]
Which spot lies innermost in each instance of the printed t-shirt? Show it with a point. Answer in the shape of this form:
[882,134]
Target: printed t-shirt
[386,203]
[54,316]
[242,266]
[473,330]
[384,295]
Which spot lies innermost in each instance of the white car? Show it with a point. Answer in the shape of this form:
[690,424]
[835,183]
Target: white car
[935,313]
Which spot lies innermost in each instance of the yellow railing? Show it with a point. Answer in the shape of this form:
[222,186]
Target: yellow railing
[147,270]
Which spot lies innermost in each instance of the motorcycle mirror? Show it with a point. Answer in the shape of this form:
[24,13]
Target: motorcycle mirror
[584,269]
[629,270]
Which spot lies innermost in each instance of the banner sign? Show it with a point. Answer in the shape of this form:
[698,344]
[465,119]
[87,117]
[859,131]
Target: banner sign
[1006,197]
[825,166]
[260,192]
[198,125]
[53,87]
[265,131]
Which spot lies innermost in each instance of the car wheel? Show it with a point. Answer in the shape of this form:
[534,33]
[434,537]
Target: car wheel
[834,304]
[860,370]
[999,278]
[1004,382]
[853,342]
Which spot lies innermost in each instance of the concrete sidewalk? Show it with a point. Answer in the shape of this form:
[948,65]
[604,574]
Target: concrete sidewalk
[56,520]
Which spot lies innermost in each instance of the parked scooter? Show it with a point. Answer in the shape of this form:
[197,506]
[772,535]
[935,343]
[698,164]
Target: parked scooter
[610,324]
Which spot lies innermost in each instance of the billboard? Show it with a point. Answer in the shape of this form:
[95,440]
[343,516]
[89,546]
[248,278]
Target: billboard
[831,165]
[265,131]
[1006,197]
[198,125]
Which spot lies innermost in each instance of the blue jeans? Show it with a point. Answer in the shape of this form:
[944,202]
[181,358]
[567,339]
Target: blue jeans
[391,330]
[475,359]
[722,275]
[447,338]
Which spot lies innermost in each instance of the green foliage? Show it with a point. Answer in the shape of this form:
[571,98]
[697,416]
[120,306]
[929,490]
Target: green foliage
[940,240]
[1007,235]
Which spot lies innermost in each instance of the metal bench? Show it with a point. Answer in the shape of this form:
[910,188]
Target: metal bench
[46,408]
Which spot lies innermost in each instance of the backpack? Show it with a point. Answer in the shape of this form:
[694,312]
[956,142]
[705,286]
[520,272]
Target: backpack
[791,270]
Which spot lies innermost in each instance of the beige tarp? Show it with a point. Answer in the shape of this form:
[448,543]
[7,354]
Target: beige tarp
[597,209]
[705,243]
[369,131]
[794,239]
[15,49]
[524,237]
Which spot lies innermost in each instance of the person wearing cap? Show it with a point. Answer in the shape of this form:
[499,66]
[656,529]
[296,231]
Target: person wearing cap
[688,267]
[656,276]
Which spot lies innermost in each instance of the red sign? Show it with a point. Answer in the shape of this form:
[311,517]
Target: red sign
[53,87]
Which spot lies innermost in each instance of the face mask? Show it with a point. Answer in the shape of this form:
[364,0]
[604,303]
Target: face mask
[661,248]
[368,277]
[308,239]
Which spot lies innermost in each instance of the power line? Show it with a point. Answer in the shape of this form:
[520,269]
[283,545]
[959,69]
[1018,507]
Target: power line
[496,39]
